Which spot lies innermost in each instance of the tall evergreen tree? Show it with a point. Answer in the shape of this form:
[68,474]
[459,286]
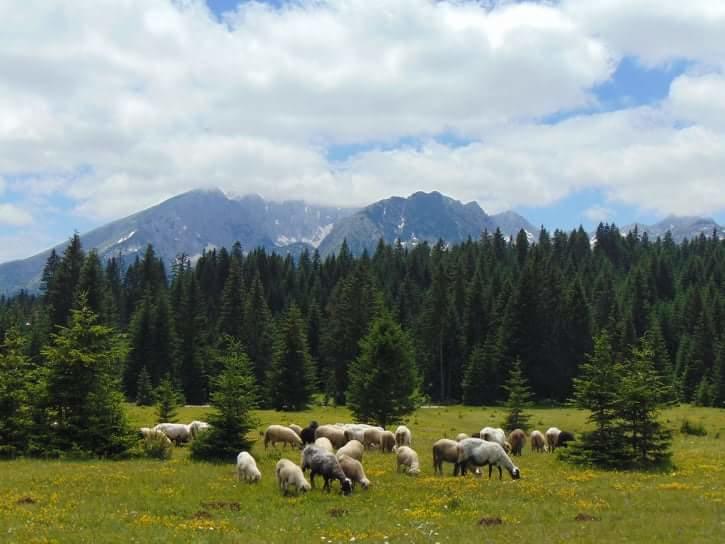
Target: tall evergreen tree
[144,389]
[480,382]
[258,335]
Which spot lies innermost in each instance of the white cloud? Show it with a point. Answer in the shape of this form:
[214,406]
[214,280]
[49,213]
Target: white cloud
[13,216]
[599,214]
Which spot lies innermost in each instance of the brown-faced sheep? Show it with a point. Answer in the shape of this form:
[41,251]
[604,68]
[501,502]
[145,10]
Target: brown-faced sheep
[517,440]
[445,450]
[279,433]
[408,458]
[353,469]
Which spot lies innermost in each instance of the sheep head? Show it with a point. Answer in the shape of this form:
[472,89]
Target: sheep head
[346,486]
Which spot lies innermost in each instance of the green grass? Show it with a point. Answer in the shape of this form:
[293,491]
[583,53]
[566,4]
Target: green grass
[154,501]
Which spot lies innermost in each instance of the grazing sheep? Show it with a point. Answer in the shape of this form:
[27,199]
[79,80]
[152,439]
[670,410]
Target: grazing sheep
[552,437]
[353,469]
[387,441]
[247,468]
[489,434]
[353,449]
[355,433]
[517,440]
[479,453]
[538,441]
[178,432]
[403,436]
[371,438]
[279,433]
[336,435]
[198,427]
[564,437]
[325,444]
[407,457]
[308,433]
[461,436]
[296,428]
[147,432]
[325,463]
[289,474]
[445,450]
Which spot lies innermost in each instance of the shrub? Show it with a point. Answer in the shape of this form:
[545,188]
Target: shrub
[156,446]
[694,429]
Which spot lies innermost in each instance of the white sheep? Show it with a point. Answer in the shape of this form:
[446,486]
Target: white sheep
[247,468]
[387,441]
[479,453]
[493,435]
[403,436]
[198,427]
[407,457]
[538,441]
[289,474]
[296,428]
[147,432]
[552,437]
[324,443]
[353,449]
[279,433]
[445,450]
[372,437]
[178,432]
[353,469]
[335,434]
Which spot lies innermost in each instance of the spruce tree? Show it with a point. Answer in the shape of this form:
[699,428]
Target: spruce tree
[519,398]
[383,378]
[233,395]
[479,382]
[291,379]
[83,388]
[144,389]
[18,391]
[167,400]
[258,335]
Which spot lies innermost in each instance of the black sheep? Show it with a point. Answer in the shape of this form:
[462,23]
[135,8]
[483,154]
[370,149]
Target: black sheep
[308,433]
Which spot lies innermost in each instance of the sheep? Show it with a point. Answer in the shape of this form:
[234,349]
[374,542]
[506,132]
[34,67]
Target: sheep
[325,463]
[308,433]
[178,432]
[247,468]
[336,435]
[353,448]
[296,428]
[289,474]
[564,437]
[477,452]
[538,441]
[403,436]
[357,434]
[387,441]
[445,450]
[147,432]
[198,427]
[372,437]
[552,436]
[279,433]
[461,436]
[325,444]
[493,435]
[407,457]
[353,469]
[517,439]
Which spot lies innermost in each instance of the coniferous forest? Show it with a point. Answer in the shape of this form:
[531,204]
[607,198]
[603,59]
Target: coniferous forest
[469,312]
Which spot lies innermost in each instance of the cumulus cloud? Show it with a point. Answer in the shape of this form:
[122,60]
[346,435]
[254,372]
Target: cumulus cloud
[13,216]
[599,214]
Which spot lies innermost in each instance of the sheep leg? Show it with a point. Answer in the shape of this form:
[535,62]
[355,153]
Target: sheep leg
[500,473]
[490,469]
[326,487]
[312,478]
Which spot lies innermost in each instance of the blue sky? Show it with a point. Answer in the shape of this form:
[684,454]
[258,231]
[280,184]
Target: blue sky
[569,112]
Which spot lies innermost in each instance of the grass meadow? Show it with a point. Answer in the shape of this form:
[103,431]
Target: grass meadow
[179,500]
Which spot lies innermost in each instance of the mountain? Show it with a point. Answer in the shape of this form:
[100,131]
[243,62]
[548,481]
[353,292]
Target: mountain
[190,223]
[420,217]
[679,227]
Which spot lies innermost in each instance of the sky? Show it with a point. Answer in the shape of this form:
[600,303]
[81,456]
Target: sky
[569,112]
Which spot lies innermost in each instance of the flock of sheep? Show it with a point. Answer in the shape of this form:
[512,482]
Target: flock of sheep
[318,443]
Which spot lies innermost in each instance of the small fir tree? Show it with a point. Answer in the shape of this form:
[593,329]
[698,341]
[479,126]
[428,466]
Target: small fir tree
[519,398]
[383,379]
[291,378]
[144,389]
[233,396]
[167,400]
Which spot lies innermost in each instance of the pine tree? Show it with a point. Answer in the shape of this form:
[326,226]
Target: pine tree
[18,391]
[144,389]
[258,335]
[83,388]
[233,396]
[519,398]
[167,400]
[291,379]
[231,314]
[383,379]
[480,379]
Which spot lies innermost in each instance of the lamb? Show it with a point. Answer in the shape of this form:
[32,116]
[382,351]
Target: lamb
[279,433]
[353,448]
[325,444]
[247,468]
[178,432]
[403,436]
[461,436]
[353,469]
[198,427]
[538,441]
[289,474]
[517,439]
[552,436]
[407,457]
[308,433]
[479,453]
[387,441]
[372,437]
[296,428]
[336,435]
[325,463]
[445,450]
